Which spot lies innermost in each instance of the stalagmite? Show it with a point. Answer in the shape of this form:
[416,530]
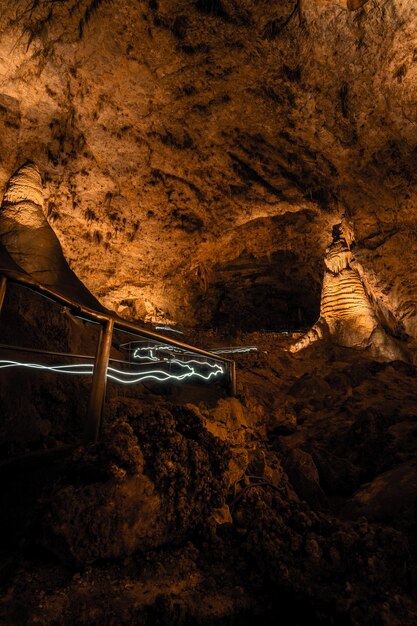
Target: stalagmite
[347,316]
[29,239]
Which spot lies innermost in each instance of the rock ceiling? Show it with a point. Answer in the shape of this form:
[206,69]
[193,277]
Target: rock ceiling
[185,145]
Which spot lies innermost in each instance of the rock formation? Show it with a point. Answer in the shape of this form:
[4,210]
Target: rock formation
[200,119]
[29,239]
[347,316]
[353,5]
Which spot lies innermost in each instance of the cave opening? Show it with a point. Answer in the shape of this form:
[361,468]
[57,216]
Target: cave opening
[276,293]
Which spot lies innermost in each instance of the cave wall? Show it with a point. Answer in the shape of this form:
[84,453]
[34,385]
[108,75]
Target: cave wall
[168,132]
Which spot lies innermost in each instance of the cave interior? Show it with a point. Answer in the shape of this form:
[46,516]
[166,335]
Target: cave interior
[208,312]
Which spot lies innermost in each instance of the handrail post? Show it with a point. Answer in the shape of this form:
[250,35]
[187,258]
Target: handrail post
[3,285]
[231,378]
[98,385]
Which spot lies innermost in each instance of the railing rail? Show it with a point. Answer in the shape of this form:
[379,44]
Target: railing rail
[108,322]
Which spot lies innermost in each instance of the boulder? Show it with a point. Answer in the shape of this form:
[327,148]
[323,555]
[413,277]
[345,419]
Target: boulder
[303,474]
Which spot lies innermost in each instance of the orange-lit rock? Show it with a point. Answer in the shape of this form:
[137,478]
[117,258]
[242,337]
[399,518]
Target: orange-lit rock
[347,316]
[353,5]
[29,239]
[194,156]
[168,129]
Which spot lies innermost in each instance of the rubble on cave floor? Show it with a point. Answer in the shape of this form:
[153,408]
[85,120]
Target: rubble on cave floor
[264,505]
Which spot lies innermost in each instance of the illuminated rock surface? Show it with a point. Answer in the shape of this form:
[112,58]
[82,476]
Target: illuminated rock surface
[169,133]
[347,315]
[31,242]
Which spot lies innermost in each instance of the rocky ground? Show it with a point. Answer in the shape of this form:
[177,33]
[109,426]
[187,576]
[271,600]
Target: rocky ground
[294,501]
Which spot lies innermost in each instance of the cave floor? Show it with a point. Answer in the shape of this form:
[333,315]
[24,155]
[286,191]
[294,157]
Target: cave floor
[342,428]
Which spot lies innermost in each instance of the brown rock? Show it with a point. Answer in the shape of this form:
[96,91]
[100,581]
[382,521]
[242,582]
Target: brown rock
[105,521]
[304,476]
[390,496]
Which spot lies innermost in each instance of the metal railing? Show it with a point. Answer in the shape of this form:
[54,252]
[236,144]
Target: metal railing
[108,323]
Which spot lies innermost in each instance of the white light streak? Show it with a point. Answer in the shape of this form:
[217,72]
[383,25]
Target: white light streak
[152,353]
[169,328]
[81,368]
[162,376]
[128,377]
[236,350]
[149,354]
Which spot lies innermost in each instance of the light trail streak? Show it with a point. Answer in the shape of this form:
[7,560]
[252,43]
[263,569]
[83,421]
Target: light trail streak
[149,353]
[126,377]
[170,329]
[81,368]
[162,376]
[236,350]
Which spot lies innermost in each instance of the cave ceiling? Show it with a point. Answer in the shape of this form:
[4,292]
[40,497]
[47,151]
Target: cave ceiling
[182,142]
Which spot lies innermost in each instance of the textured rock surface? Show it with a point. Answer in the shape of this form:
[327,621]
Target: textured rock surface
[251,537]
[347,315]
[31,242]
[195,155]
[169,132]
[149,482]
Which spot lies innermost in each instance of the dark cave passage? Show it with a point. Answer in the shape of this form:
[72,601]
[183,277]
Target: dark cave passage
[275,293]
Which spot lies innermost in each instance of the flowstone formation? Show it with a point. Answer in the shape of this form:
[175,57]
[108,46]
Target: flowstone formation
[29,239]
[347,316]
